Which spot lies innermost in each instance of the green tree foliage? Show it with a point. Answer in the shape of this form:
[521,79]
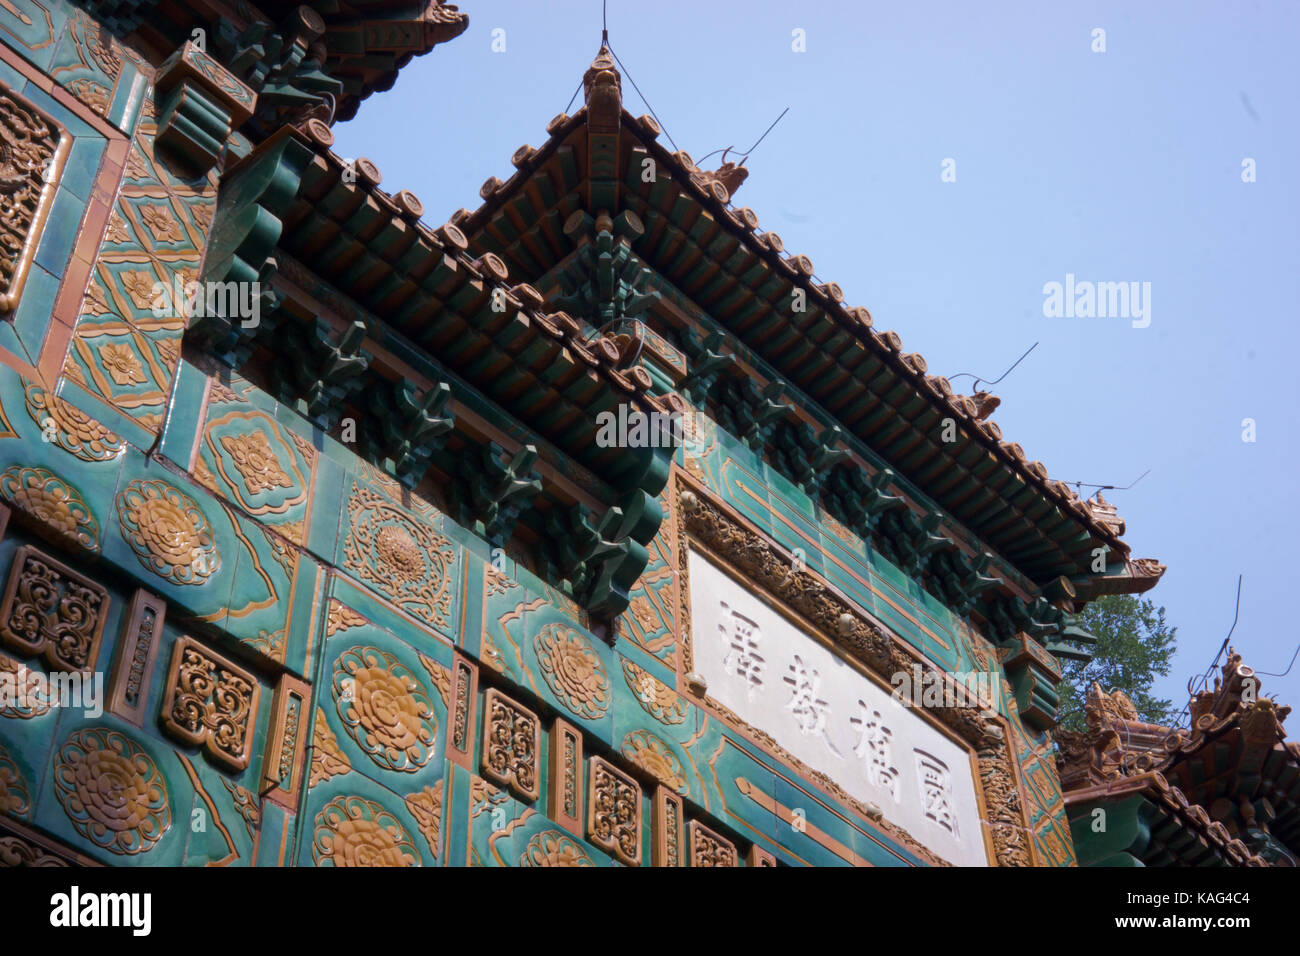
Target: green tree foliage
[1134,647]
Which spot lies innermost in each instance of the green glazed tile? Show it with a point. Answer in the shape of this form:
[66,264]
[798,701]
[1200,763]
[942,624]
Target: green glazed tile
[32,35]
[161,835]
[275,821]
[36,307]
[105,414]
[376,668]
[82,166]
[183,410]
[127,105]
[351,796]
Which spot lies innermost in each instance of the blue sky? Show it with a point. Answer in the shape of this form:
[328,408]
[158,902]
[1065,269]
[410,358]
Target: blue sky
[1119,166]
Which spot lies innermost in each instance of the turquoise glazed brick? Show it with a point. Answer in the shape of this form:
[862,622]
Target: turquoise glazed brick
[325,518]
[658,749]
[307,608]
[786,491]
[638,656]
[9,340]
[52,107]
[474,544]
[37,304]
[184,408]
[873,846]
[375,511]
[455,821]
[127,104]
[850,585]
[35,35]
[263,580]
[797,534]
[11,78]
[82,166]
[60,233]
[204,589]
[816,813]
[231,843]
[504,833]
[24,751]
[477,604]
[728,764]
[545,659]
[364,668]
[272,836]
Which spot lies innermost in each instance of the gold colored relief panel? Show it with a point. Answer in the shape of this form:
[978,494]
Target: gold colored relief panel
[668,816]
[282,764]
[614,812]
[708,848]
[133,663]
[52,612]
[565,803]
[211,703]
[33,151]
[112,791]
[511,746]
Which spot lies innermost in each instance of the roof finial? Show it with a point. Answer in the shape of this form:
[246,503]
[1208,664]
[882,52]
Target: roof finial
[602,89]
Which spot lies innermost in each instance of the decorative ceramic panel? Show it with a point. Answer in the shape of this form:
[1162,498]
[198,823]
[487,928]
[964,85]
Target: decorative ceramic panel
[565,803]
[128,689]
[212,703]
[668,828]
[52,612]
[708,848]
[33,151]
[511,746]
[614,812]
[112,791]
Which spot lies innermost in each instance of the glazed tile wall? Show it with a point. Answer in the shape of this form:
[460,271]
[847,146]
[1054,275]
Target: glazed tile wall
[278,549]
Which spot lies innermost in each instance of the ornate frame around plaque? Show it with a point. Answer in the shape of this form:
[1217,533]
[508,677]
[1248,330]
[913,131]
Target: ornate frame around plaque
[705,521]
[33,151]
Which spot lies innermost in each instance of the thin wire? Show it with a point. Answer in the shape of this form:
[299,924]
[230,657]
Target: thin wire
[572,98]
[1093,484]
[1235,613]
[1196,684]
[628,74]
[765,132]
[721,149]
[1288,666]
[725,149]
[978,378]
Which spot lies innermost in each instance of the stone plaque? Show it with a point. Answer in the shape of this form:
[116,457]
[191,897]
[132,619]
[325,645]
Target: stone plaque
[833,717]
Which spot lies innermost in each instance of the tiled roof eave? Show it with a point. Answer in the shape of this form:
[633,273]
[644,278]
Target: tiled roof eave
[904,366]
[439,255]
